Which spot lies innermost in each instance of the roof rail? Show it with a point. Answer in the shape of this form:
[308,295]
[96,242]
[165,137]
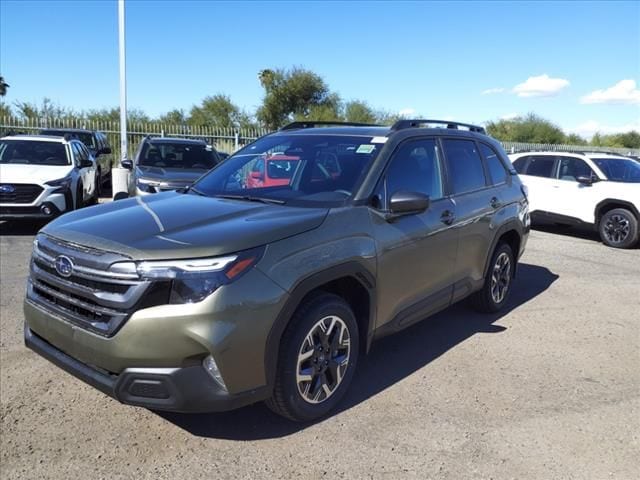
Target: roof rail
[313,124]
[412,123]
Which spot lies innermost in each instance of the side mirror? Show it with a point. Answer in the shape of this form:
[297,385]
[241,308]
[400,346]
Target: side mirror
[86,163]
[105,151]
[587,181]
[128,164]
[403,203]
[256,175]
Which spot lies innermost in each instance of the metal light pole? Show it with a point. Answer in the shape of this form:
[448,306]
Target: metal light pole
[123,82]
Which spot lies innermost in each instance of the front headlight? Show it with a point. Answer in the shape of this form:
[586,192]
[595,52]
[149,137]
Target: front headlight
[194,280]
[61,183]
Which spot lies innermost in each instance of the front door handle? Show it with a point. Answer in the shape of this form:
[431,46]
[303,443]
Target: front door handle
[495,203]
[447,217]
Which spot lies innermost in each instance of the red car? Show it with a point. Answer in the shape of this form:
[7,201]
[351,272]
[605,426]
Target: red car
[273,171]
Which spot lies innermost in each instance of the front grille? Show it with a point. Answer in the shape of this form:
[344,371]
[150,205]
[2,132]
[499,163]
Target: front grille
[92,297]
[20,193]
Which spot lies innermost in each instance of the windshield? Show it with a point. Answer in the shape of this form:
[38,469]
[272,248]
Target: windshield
[84,137]
[32,152]
[298,169]
[177,155]
[619,169]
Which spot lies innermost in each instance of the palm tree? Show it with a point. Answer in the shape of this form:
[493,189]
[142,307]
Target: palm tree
[3,87]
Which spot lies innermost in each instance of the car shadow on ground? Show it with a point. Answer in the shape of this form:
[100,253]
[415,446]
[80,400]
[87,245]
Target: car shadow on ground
[578,231]
[390,360]
[20,228]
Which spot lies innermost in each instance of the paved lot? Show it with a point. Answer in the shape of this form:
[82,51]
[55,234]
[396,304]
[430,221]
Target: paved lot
[549,389]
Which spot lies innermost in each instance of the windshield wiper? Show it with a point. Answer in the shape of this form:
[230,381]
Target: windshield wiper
[249,198]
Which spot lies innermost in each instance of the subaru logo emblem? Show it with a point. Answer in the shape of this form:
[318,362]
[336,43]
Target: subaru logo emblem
[64,266]
[7,188]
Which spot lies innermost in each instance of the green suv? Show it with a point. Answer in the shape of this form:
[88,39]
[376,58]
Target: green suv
[220,295]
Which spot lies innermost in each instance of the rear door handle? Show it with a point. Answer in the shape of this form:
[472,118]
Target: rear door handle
[447,217]
[495,203]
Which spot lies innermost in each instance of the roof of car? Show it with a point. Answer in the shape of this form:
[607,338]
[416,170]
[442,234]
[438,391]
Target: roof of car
[39,138]
[569,154]
[346,130]
[68,130]
[193,141]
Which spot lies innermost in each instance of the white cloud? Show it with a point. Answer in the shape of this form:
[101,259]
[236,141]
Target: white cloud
[624,91]
[492,91]
[588,128]
[540,86]
[509,116]
[407,112]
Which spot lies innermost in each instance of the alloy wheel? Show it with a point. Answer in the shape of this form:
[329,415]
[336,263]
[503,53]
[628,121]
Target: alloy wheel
[617,228]
[501,277]
[323,359]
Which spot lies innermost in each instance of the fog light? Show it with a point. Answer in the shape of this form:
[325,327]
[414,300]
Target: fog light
[46,210]
[211,367]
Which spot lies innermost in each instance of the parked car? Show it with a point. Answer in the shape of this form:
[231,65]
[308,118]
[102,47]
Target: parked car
[222,294]
[596,189]
[97,143]
[42,177]
[163,163]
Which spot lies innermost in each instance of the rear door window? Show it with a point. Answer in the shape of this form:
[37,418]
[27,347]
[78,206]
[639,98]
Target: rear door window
[464,165]
[541,166]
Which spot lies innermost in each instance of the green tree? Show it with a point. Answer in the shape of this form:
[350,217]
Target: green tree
[529,129]
[575,139]
[218,110]
[174,117]
[5,110]
[3,86]
[295,93]
[47,109]
[359,111]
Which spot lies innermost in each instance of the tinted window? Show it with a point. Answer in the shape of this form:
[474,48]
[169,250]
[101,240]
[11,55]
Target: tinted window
[541,166]
[495,165]
[84,137]
[571,168]
[177,155]
[32,152]
[464,165]
[415,167]
[520,163]
[619,169]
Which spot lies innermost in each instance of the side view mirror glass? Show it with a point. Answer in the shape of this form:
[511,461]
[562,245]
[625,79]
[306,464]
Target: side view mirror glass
[86,163]
[128,164]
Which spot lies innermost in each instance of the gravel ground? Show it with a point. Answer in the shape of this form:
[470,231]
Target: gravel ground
[549,389]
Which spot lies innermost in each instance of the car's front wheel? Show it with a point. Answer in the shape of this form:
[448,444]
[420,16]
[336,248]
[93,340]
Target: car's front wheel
[318,357]
[618,228]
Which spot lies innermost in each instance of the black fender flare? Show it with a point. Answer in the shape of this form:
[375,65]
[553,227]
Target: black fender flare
[506,227]
[305,286]
[606,201]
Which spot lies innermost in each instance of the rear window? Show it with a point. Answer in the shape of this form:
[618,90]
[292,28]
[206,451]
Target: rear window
[84,137]
[177,155]
[32,153]
[495,165]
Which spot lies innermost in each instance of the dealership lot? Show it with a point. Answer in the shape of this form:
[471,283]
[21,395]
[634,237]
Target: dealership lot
[548,389]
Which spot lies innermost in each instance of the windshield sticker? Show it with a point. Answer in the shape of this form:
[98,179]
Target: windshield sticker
[366,148]
[378,139]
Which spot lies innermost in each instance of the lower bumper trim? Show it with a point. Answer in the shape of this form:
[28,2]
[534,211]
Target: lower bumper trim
[184,390]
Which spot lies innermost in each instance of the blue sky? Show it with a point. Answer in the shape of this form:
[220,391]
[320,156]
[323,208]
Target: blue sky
[576,63]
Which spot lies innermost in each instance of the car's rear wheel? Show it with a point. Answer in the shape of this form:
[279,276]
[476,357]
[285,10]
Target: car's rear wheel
[498,281]
[318,357]
[618,228]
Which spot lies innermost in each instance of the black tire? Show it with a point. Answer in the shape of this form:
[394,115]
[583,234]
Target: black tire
[287,399]
[79,194]
[496,289]
[121,196]
[618,228]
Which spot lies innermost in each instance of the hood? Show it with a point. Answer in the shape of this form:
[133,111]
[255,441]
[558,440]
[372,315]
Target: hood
[33,174]
[174,225]
[178,176]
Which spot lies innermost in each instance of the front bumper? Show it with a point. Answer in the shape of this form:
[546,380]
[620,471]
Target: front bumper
[186,389]
[29,212]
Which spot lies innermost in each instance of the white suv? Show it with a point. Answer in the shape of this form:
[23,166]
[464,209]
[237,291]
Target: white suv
[42,177]
[591,188]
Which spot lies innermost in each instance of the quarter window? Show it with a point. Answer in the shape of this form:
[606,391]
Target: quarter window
[495,165]
[415,167]
[464,165]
